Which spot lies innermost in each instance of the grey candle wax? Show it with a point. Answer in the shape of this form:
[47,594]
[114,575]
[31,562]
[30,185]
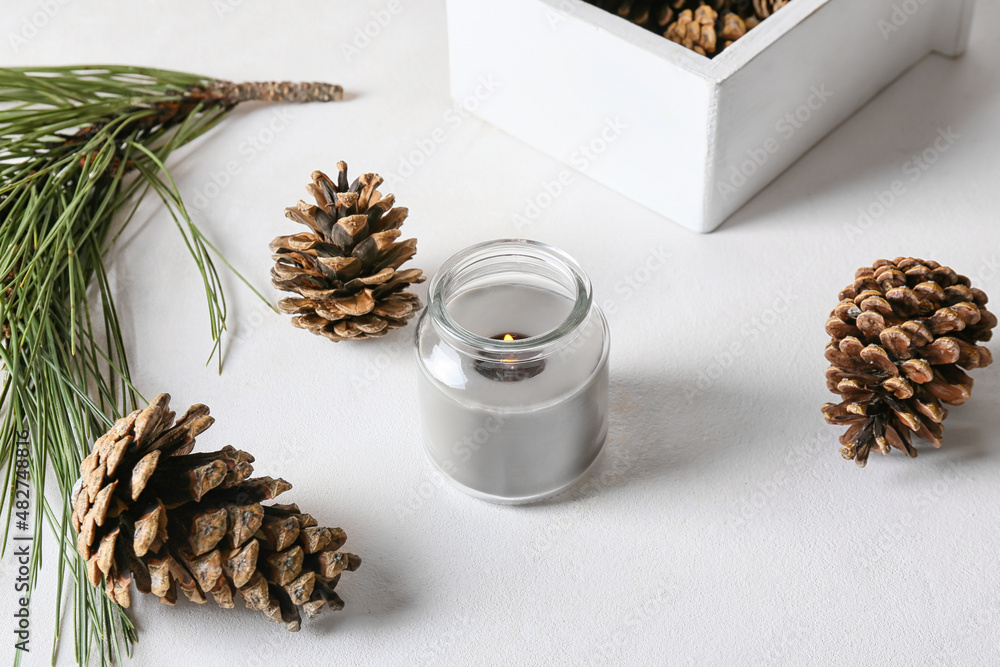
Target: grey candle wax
[525,438]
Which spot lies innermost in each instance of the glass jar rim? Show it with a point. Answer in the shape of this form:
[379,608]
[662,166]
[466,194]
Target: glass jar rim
[583,299]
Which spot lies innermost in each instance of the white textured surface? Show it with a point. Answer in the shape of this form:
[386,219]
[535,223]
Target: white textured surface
[724,528]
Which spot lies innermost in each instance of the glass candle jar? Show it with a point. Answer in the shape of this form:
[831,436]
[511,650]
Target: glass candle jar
[513,382]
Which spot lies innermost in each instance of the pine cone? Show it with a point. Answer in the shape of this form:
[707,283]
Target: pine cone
[653,15]
[901,336]
[680,21]
[346,268]
[695,30]
[733,27]
[148,511]
[764,8]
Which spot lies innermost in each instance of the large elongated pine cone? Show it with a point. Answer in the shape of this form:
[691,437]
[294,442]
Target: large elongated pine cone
[900,338]
[346,268]
[148,511]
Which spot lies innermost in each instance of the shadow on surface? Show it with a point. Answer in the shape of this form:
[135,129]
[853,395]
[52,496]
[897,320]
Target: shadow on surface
[895,125]
[668,426]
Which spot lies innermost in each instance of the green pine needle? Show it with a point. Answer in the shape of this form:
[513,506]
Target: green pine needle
[79,148]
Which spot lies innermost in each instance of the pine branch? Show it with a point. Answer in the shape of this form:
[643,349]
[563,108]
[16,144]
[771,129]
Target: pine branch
[79,147]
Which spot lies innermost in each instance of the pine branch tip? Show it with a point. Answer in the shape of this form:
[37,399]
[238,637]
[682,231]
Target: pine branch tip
[295,92]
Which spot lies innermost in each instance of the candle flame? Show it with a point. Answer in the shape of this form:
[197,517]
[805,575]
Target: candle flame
[508,338]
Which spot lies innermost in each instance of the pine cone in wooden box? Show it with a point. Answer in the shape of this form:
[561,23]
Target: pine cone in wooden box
[764,8]
[695,30]
[706,27]
[653,15]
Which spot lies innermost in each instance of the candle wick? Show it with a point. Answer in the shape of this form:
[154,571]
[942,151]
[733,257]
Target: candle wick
[497,366]
[507,338]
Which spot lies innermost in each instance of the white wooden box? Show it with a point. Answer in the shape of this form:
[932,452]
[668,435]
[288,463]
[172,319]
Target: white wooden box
[691,138]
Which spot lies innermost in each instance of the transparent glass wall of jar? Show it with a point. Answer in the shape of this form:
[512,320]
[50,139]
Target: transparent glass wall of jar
[513,383]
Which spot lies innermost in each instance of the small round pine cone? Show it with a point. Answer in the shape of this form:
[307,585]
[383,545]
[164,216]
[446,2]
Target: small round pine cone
[733,27]
[695,30]
[655,15]
[346,268]
[764,8]
[900,338]
[695,24]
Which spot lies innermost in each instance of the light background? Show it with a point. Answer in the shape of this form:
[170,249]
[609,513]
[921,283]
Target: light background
[723,527]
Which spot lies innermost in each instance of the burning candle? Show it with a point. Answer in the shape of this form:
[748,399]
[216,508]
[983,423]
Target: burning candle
[508,369]
[513,385]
